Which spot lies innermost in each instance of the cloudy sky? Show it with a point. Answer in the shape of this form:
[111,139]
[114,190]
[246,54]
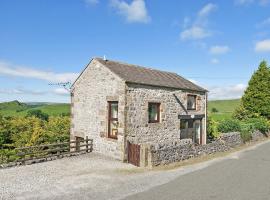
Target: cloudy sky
[216,44]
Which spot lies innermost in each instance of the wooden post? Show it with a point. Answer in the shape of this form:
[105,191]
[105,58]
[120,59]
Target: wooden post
[77,144]
[86,140]
[58,147]
[2,156]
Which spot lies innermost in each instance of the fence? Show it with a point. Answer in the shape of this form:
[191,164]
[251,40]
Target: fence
[45,151]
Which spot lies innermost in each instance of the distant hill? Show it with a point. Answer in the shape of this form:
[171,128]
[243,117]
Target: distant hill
[225,108]
[16,108]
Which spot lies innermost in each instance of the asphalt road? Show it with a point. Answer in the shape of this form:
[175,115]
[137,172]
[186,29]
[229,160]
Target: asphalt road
[246,177]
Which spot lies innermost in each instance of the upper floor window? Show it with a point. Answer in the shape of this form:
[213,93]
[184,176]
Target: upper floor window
[153,112]
[191,102]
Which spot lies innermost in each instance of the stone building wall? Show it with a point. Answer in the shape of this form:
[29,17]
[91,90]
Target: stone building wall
[90,95]
[173,103]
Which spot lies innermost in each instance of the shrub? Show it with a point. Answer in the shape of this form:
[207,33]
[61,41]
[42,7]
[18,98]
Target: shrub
[229,125]
[214,110]
[38,114]
[212,132]
[260,124]
[245,135]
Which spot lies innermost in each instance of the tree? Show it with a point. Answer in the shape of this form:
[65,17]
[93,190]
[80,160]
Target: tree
[256,99]
[38,113]
[214,110]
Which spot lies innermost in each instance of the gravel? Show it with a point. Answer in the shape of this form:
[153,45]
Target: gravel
[88,176]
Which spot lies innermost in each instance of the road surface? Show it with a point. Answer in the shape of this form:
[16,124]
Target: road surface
[246,177]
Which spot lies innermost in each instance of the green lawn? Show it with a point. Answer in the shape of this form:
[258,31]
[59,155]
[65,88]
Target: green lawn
[225,108]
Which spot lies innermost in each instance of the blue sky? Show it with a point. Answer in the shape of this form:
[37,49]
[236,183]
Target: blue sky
[216,44]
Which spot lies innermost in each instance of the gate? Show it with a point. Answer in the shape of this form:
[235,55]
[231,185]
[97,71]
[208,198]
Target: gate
[134,154]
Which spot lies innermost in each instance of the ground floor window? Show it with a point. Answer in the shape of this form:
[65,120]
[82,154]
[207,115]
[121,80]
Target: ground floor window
[113,119]
[190,129]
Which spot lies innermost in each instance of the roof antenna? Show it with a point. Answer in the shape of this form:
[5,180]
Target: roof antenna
[65,85]
[104,58]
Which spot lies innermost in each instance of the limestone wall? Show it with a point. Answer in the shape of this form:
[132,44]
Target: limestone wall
[91,92]
[173,103]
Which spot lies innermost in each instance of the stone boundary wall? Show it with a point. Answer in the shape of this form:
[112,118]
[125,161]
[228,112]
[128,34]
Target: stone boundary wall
[163,154]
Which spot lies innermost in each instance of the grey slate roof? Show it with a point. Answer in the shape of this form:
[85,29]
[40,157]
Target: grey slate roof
[146,76]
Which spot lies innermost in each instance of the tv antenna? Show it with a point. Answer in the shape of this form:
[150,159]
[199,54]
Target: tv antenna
[65,85]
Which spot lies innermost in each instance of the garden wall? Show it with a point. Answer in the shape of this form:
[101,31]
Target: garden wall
[162,154]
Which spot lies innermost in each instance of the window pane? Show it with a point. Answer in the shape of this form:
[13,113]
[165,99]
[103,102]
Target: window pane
[153,112]
[113,128]
[183,124]
[190,123]
[114,110]
[191,102]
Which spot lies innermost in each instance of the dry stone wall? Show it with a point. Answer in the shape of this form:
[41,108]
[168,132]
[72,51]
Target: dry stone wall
[162,154]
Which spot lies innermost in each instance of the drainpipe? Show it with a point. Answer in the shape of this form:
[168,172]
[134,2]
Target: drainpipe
[205,118]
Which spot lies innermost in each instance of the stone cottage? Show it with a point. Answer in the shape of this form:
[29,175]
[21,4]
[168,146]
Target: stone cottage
[117,104]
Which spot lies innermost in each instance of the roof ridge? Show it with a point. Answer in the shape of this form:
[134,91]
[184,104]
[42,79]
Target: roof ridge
[134,65]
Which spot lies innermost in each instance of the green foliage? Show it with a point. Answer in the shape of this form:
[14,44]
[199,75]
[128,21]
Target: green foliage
[214,110]
[256,99]
[229,125]
[38,113]
[212,132]
[260,124]
[245,135]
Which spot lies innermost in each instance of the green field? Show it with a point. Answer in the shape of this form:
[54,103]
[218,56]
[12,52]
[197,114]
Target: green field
[225,108]
[16,108]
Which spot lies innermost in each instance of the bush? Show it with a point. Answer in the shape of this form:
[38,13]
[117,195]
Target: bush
[260,124]
[245,135]
[212,132]
[229,125]
[38,114]
[214,110]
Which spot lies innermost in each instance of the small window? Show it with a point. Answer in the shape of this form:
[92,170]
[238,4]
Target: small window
[153,112]
[191,102]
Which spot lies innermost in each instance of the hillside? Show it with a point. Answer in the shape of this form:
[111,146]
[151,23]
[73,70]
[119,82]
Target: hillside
[16,108]
[225,108]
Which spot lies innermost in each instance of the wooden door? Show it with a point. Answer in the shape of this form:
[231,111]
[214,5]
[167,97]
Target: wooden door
[134,154]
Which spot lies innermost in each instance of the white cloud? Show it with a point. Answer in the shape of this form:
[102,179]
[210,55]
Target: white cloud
[207,9]
[198,28]
[91,2]
[219,49]
[247,2]
[227,92]
[214,61]
[194,33]
[193,81]
[243,2]
[61,91]
[19,71]
[265,22]
[136,11]
[263,46]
